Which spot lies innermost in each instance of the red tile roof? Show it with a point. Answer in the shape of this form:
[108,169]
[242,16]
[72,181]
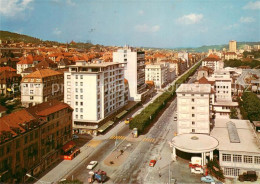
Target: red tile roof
[7,68]
[212,57]
[2,108]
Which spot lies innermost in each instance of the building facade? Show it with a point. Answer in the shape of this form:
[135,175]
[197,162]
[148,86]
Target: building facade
[156,73]
[134,70]
[41,86]
[94,90]
[213,62]
[232,46]
[31,139]
[193,108]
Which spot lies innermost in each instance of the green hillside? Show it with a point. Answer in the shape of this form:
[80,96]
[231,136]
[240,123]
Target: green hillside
[6,35]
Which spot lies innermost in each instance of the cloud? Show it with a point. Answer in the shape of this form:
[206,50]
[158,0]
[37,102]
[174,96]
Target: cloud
[190,18]
[247,19]
[141,12]
[252,5]
[56,31]
[145,28]
[71,2]
[230,26]
[10,8]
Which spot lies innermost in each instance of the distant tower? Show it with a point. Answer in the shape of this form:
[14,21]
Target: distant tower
[232,46]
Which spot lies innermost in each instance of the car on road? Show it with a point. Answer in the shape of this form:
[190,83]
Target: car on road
[92,164]
[152,163]
[175,118]
[207,179]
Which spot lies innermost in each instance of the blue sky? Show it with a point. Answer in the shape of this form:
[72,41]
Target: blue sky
[149,23]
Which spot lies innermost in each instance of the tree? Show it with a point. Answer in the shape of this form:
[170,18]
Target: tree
[215,169]
[233,114]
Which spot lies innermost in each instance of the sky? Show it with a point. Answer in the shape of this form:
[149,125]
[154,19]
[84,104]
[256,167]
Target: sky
[138,23]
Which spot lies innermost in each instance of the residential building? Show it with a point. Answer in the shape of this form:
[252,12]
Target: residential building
[9,83]
[23,64]
[239,148]
[31,139]
[94,90]
[232,46]
[230,55]
[157,73]
[134,70]
[213,62]
[193,107]
[41,86]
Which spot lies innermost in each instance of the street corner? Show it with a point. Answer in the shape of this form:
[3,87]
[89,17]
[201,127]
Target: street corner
[94,143]
[116,158]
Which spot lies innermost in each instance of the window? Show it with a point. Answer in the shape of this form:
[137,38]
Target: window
[248,159]
[226,158]
[193,130]
[76,84]
[192,107]
[193,122]
[81,76]
[68,83]
[257,160]
[77,116]
[76,109]
[31,97]
[77,96]
[192,100]
[81,103]
[76,90]
[237,158]
[81,90]
[68,76]
[31,92]
[81,109]
[193,115]
[68,96]
[183,94]
[201,95]
[81,116]
[192,94]
[76,76]
[76,103]
[231,172]
[81,96]
[81,83]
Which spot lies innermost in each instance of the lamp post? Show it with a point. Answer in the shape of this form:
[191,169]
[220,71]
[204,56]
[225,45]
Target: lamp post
[43,182]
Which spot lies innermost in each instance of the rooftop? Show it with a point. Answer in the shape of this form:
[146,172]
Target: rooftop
[248,142]
[42,73]
[194,88]
[195,143]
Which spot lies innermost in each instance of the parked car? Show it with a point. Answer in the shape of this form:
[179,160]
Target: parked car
[74,136]
[152,163]
[207,179]
[248,176]
[92,164]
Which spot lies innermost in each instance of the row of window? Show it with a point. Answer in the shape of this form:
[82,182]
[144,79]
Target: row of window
[222,87]
[241,158]
[192,95]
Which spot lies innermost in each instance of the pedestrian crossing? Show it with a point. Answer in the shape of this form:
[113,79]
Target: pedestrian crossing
[117,137]
[147,139]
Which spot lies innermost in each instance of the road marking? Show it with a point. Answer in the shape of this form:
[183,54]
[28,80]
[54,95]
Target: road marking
[117,137]
[147,139]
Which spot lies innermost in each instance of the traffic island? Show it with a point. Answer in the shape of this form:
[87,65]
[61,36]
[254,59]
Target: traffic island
[116,158]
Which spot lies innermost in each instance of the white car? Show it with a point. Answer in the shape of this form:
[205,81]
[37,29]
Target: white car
[92,164]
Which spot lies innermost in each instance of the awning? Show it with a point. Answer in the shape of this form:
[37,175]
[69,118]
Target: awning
[69,145]
[105,126]
[121,114]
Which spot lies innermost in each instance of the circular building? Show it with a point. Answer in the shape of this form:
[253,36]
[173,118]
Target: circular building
[194,143]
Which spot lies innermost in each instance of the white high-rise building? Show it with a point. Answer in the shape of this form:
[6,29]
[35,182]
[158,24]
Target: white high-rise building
[193,107]
[94,90]
[156,73]
[134,70]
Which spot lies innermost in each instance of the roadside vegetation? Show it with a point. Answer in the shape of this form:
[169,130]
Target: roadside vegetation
[215,170]
[249,105]
[144,119]
[238,63]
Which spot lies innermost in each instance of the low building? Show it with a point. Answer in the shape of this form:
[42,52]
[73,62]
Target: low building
[41,86]
[239,148]
[213,62]
[230,55]
[31,139]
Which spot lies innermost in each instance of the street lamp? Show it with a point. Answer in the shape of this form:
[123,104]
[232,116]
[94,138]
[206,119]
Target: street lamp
[30,176]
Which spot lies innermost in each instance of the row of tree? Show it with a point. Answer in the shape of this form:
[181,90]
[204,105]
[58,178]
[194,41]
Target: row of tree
[238,63]
[144,119]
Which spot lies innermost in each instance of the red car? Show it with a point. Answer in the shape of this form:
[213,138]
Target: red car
[152,163]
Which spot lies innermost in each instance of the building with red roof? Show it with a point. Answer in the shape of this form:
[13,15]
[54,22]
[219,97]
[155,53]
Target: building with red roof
[213,62]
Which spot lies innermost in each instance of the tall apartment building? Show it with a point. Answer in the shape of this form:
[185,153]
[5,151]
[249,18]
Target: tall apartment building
[41,86]
[213,62]
[94,90]
[31,139]
[134,70]
[156,73]
[193,108]
[232,46]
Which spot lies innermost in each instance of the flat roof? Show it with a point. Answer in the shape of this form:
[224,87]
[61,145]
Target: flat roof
[225,103]
[90,65]
[195,143]
[245,132]
[194,88]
